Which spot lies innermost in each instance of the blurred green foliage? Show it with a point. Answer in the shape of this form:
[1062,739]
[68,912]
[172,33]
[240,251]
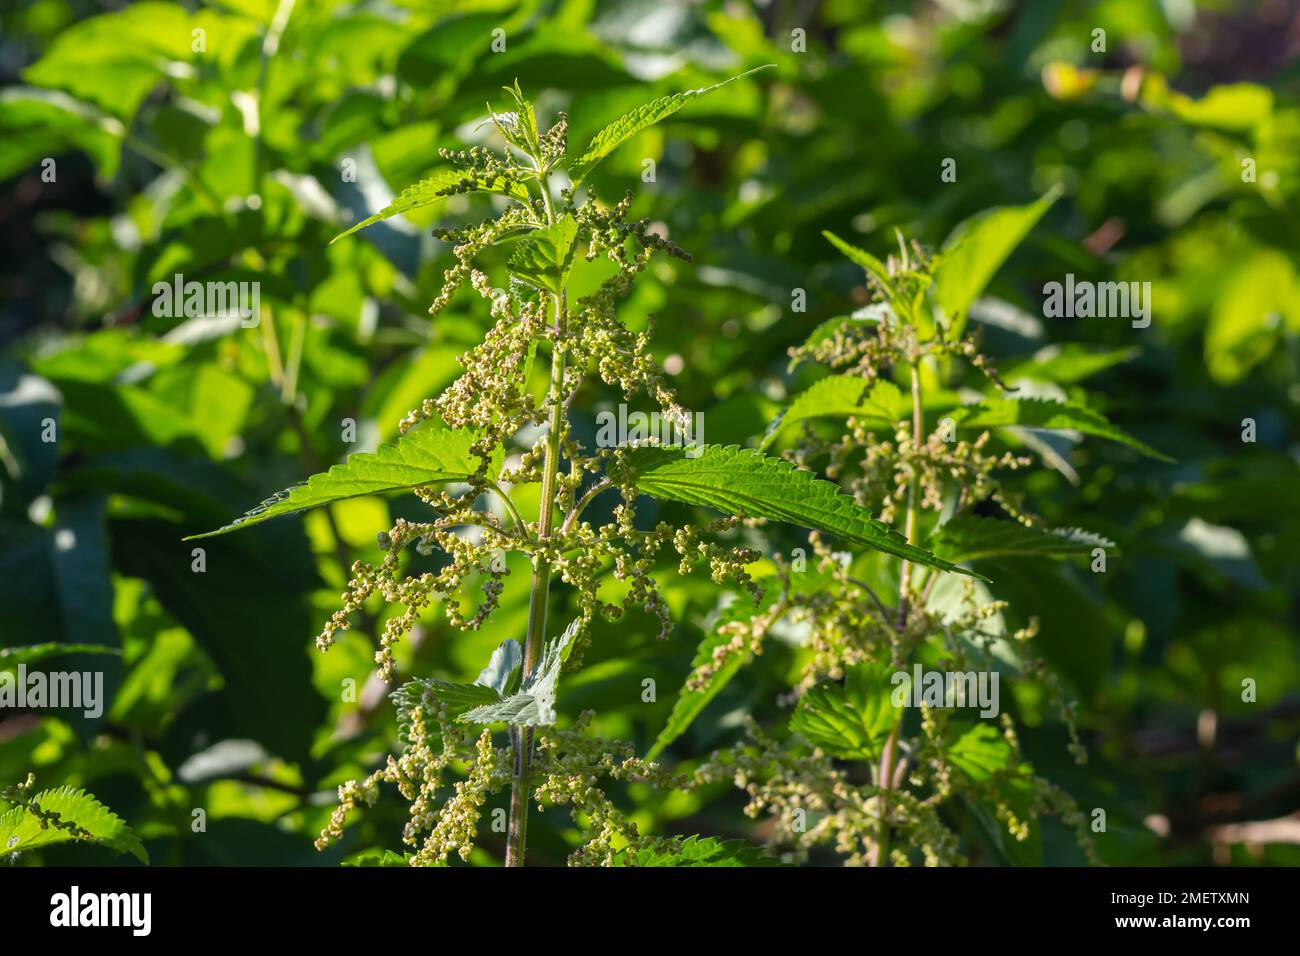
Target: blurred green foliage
[231,140]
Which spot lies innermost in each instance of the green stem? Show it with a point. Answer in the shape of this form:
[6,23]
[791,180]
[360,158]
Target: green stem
[271,342]
[297,338]
[521,738]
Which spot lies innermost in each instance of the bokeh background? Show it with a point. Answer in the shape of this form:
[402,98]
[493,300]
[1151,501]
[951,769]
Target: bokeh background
[1177,147]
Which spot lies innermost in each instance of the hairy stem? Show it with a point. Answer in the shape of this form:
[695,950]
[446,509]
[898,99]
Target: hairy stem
[889,752]
[521,738]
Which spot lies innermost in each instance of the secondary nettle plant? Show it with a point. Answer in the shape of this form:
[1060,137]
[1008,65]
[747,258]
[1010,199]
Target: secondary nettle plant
[880,754]
[466,452]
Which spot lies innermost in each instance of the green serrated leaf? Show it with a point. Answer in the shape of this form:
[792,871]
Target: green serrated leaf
[534,703]
[384,858]
[502,670]
[980,752]
[973,537]
[696,851]
[543,258]
[21,829]
[1047,414]
[432,454]
[864,259]
[439,186]
[629,124]
[690,703]
[826,330]
[850,720]
[431,694]
[745,482]
[519,127]
[840,396]
[518,710]
[1067,363]
[976,249]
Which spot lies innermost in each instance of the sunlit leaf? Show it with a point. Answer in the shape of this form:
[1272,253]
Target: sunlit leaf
[980,752]
[544,257]
[841,396]
[747,483]
[976,249]
[850,720]
[533,704]
[438,187]
[22,830]
[629,124]
[861,257]
[429,455]
[1047,414]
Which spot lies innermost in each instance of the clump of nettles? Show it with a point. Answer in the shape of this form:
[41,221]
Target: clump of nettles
[814,799]
[584,338]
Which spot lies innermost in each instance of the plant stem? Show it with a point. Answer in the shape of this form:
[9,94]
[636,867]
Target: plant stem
[917,426]
[521,738]
[289,387]
[889,752]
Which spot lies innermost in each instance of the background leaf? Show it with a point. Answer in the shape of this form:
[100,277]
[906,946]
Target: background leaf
[976,249]
[1047,414]
[850,720]
[971,537]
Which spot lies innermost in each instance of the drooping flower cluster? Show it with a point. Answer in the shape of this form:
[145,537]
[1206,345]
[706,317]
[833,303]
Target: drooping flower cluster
[569,767]
[567,771]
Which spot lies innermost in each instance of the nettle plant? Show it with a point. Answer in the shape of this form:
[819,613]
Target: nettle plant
[469,452]
[881,745]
